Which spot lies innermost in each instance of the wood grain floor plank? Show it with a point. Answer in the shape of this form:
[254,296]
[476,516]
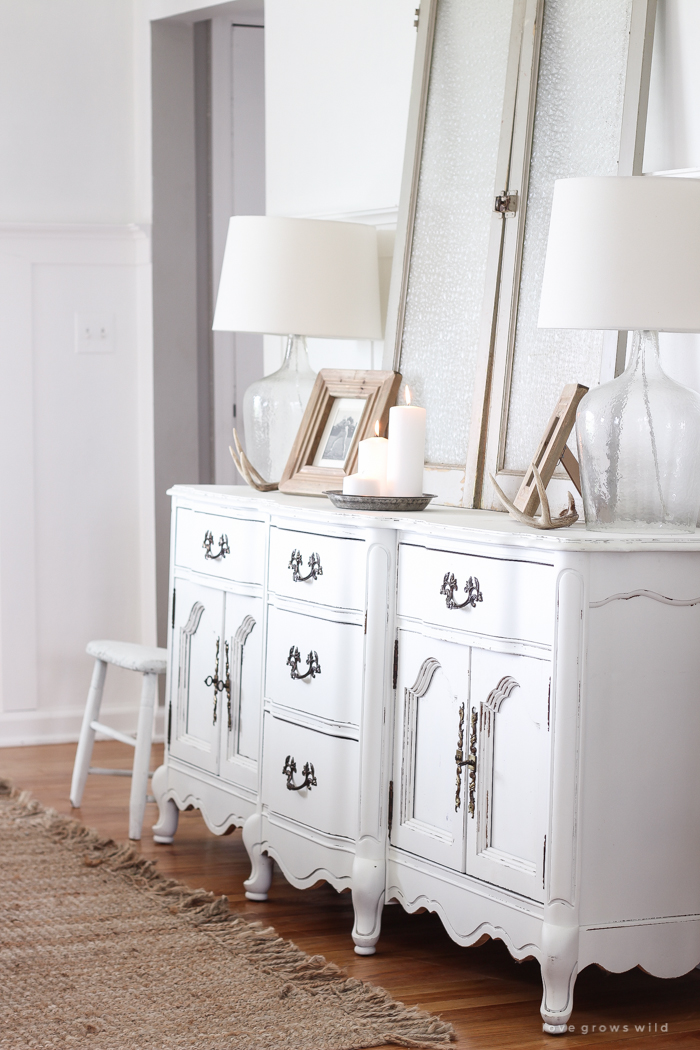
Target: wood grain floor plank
[492,1000]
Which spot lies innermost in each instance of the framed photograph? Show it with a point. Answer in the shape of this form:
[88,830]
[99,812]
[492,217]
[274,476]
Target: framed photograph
[336,440]
[342,411]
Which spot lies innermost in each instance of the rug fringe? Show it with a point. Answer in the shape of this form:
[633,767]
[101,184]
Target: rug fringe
[399,1025]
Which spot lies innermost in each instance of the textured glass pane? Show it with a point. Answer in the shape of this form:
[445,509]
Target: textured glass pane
[577,132]
[454,209]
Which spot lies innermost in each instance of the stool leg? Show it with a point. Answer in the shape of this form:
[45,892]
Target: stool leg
[142,756]
[87,735]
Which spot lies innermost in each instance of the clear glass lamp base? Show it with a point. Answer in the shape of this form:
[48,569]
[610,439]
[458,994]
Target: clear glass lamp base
[272,410]
[639,448]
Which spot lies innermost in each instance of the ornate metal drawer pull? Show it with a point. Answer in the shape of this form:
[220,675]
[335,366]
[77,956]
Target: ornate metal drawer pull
[224,548]
[213,680]
[314,565]
[470,761]
[294,659]
[471,587]
[290,768]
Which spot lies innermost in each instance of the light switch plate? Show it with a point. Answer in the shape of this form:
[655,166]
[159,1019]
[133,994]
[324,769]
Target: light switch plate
[94,333]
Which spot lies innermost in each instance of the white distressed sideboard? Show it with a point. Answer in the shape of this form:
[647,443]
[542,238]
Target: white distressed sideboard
[448,710]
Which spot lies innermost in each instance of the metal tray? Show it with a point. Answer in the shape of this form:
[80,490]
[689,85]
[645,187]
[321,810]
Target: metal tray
[343,502]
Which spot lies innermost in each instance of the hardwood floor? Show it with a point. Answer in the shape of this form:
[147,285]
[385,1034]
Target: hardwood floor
[492,1000]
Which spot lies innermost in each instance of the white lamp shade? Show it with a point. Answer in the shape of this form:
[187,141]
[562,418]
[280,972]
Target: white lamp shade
[623,253]
[310,277]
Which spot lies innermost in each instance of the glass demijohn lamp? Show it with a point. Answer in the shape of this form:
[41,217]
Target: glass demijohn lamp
[273,407]
[299,278]
[624,254]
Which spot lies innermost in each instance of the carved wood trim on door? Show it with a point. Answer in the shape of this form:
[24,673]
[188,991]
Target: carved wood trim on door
[234,681]
[411,697]
[489,708]
[183,674]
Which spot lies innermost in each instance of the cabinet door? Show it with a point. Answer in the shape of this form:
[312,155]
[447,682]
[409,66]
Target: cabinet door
[240,711]
[432,694]
[507,796]
[198,654]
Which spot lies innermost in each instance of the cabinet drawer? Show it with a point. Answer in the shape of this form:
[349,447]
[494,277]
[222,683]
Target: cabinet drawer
[331,805]
[340,580]
[242,562]
[335,692]
[517,597]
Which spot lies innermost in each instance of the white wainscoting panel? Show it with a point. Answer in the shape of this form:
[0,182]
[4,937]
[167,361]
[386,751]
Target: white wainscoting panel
[76,472]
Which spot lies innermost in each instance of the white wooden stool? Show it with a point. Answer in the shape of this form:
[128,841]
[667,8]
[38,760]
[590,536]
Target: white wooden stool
[150,662]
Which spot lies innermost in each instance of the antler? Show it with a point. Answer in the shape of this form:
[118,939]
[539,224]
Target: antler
[562,521]
[246,469]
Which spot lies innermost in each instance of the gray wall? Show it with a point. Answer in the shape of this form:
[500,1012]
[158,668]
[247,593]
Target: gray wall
[181,274]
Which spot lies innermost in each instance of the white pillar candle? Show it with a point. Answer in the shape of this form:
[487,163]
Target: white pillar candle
[406,453]
[371,458]
[359,485]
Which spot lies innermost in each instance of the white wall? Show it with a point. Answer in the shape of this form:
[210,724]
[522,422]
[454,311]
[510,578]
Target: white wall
[76,514]
[673,125]
[673,137]
[338,78]
[76,483]
[238,188]
[337,85]
[66,111]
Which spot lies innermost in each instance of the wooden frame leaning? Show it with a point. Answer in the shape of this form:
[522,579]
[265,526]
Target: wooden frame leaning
[469,483]
[307,471]
[551,450]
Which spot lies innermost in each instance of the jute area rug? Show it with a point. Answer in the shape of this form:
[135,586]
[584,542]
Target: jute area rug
[98,950]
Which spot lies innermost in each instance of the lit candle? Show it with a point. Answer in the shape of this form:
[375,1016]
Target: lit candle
[372,456]
[406,451]
[360,485]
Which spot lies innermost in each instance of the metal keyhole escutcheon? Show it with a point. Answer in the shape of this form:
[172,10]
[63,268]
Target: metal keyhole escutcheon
[469,761]
[213,680]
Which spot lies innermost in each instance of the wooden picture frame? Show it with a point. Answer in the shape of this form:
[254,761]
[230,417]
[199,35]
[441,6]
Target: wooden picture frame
[322,439]
[552,449]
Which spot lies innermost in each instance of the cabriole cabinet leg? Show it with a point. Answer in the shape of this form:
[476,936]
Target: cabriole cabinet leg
[168,813]
[368,881]
[257,885]
[559,969]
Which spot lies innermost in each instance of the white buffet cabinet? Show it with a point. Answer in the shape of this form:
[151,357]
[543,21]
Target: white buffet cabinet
[448,710]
